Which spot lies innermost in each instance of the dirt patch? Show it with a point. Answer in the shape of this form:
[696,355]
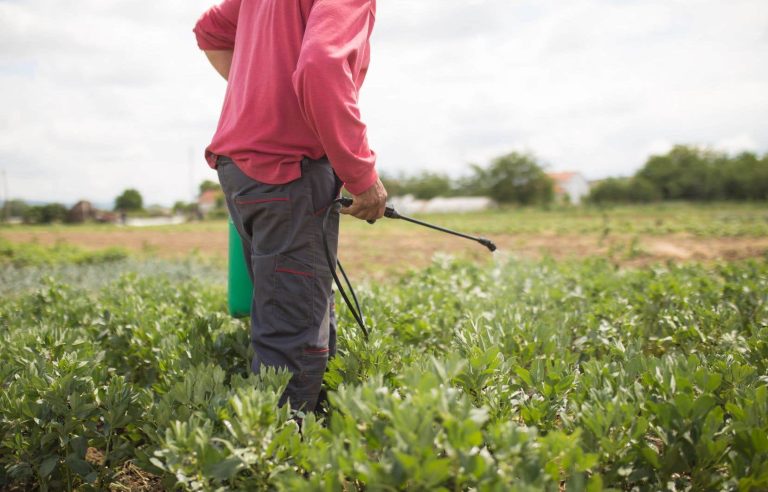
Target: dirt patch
[129,477]
[134,479]
[416,249]
[382,251]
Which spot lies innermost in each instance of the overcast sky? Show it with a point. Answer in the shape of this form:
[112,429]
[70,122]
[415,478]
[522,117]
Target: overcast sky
[100,95]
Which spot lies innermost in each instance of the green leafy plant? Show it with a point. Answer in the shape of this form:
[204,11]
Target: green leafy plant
[517,376]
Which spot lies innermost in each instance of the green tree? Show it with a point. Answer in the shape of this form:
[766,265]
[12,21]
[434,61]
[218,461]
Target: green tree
[759,188]
[611,190]
[181,207]
[429,185]
[209,185]
[745,177]
[691,173]
[424,186]
[15,208]
[640,190]
[45,214]
[624,190]
[130,200]
[686,173]
[512,178]
[395,185]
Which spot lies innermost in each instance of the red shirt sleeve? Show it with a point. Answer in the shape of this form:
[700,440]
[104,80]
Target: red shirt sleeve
[332,64]
[215,30]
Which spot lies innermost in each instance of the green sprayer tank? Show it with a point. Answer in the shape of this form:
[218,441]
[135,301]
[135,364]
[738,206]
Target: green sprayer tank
[239,285]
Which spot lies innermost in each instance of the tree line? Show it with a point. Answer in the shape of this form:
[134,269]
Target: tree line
[512,178]
[692,174]
[684,173]
[129,200]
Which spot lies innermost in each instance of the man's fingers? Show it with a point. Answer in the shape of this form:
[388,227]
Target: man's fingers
[366,214]
[353,209]
[374,214]
[365,211]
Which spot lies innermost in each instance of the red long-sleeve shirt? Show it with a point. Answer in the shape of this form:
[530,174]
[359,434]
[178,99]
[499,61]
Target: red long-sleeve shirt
[292,90]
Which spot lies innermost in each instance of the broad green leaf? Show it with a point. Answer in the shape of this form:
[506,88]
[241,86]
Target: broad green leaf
[79,466]
[523,374]
[48,465]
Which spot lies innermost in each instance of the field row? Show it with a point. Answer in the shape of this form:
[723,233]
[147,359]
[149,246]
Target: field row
[517,376]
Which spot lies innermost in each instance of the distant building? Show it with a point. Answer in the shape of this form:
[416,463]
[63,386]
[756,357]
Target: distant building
[158,211]
[107,217]
[570,186]
[154,221]
[409,205]
[441,204]
[82,211]
[209,200]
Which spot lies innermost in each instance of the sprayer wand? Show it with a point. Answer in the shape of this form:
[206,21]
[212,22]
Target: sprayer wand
[389,213]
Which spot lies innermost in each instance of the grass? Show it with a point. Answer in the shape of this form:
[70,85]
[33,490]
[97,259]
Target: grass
[714,220]
[707,220]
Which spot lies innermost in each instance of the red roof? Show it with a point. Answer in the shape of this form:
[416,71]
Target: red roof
[209,197]
[561,178]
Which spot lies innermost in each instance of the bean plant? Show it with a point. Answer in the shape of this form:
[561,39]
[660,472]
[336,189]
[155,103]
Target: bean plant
[518,376]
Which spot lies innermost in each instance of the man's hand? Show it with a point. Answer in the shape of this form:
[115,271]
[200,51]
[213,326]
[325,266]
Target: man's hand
[221,61]
[370,204]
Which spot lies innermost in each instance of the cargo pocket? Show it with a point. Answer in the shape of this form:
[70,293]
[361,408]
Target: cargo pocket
[293,292]
[267,218]
[314,361]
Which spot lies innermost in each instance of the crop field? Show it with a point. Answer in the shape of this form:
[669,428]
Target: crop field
[628,236]
[121,369]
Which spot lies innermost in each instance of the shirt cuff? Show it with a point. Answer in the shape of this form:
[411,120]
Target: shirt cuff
[209,42]
[361,184]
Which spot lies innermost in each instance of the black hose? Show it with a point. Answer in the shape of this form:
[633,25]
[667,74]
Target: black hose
[357,313]
[390,213]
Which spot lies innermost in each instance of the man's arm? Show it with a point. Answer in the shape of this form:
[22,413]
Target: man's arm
[331,61]
[221,61]
[215,32]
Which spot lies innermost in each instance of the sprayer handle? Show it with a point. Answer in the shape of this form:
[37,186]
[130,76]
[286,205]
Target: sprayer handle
[389,212]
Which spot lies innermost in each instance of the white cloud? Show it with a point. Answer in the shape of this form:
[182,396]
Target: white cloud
[98,96]
[737,144]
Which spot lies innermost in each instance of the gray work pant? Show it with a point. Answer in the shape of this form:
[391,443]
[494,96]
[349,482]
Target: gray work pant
[292,321]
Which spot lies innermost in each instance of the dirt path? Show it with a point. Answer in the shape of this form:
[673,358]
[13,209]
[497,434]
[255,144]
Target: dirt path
[383,251]
[416,249]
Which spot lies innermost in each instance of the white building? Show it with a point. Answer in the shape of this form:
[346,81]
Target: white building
[409,205]
[459,204]
[570,186]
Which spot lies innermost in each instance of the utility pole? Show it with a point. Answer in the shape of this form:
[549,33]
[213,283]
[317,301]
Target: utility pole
[6,205]
[191,164]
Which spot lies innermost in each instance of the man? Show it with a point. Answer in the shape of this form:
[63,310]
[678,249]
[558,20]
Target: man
[289,136]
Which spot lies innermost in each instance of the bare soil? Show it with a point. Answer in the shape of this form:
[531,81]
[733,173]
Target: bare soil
[380,252]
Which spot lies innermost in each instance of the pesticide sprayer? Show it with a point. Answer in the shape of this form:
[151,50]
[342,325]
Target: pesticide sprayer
[241,287]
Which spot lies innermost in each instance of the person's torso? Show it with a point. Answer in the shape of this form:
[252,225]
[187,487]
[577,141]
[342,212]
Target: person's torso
[261,125]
